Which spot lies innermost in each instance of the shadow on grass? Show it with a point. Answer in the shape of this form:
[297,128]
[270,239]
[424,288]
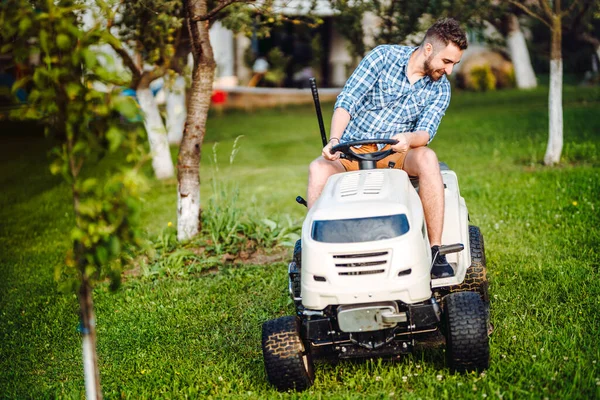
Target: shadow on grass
[24,165]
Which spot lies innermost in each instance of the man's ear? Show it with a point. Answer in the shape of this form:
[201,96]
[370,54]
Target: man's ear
[428,47]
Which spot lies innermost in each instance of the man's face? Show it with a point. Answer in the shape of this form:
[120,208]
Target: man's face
[441,63]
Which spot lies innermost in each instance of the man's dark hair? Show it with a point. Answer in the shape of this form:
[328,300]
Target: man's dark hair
[446,31]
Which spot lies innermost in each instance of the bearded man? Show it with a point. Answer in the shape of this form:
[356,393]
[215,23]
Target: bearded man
[401,93]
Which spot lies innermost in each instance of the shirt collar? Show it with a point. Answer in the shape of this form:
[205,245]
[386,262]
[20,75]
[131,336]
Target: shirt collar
[404,58]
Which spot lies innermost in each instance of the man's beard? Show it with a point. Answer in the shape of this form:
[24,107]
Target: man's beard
[435,75]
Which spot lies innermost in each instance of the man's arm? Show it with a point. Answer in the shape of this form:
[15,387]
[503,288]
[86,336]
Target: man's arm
[362,79]
[410,140]
[339,122]
[357,86]
[427,123]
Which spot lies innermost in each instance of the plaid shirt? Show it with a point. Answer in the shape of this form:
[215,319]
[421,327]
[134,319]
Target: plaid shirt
[382,102]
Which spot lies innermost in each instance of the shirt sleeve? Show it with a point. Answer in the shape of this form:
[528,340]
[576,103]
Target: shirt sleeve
[362,80]
[430,118]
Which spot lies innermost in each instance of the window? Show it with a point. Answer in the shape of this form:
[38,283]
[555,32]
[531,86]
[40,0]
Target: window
[360,229]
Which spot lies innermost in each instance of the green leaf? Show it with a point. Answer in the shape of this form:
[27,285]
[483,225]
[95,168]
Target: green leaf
[44,39]
[89,58]
[114,137]
[56,167]
[24,24]
[89,184]
[127,107]
[20,83]
[77,234]
[114,245]
[6,48]
[101,255]
[272,225]
[72,90]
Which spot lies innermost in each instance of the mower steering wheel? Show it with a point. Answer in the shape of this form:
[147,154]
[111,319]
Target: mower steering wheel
[345,149]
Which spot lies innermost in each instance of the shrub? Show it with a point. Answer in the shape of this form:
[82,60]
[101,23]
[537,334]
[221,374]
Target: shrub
[483,79]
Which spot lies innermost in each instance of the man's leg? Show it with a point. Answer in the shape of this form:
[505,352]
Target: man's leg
[423,163]
[318,173]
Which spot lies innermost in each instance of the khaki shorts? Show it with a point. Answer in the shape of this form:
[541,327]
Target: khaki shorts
[397,158]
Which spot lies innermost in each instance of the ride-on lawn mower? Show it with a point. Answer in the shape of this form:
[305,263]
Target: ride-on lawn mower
[360,276]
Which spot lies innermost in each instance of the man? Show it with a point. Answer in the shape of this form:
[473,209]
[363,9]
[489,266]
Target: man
[401,93]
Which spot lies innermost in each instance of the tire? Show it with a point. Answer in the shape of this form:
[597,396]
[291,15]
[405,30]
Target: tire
[295,277]
[467,344]
[287,363]
[476,275]
[297,258]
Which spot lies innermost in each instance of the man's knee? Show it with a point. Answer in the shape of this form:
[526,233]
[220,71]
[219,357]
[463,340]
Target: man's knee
[422,160]
[323,168]
[427,157]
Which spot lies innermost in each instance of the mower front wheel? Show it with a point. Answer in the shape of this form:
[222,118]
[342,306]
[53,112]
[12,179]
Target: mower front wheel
[467,344]
[287,362]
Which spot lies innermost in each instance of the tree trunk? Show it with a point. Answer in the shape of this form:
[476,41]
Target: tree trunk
[188,162]
[176,112]
[519,54]
[555,136]
[88,331]
[157,134]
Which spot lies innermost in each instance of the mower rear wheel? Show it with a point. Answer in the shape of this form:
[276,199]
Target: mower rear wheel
[467,344]
[287,362]
[476,275]
[297,258]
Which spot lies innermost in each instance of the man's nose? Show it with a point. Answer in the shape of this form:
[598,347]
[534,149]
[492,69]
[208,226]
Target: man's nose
[448,69]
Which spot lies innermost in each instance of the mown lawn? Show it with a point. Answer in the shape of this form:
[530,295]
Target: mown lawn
[187,334]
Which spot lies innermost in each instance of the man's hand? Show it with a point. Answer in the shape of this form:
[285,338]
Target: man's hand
[327,150]
[404,142]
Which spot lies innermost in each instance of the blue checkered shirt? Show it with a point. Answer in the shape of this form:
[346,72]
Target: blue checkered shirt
[382,102]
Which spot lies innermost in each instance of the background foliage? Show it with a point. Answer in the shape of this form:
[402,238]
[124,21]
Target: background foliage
[86,125]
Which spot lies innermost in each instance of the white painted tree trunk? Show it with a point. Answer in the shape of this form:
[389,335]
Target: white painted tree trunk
[176,111]
[188,214]
[88,368]
[157,135]
[190,151]
[555,134]
[598,53]
[519,54]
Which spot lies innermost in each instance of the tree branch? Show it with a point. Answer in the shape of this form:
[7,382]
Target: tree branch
[570,9]
[125,56]
[530,12]
[545,7]
[149,76]
[586,37]
[222,4]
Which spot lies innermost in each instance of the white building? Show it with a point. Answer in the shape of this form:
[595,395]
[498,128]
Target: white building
[337,63]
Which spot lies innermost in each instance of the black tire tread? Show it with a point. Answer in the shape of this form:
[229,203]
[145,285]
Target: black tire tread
[476,275]
[297,258]
[467,343]
[283,353]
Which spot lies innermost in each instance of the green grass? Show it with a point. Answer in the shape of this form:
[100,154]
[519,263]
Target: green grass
[198,335]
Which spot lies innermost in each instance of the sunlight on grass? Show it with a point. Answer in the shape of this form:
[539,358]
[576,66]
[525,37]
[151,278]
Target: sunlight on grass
[198,335]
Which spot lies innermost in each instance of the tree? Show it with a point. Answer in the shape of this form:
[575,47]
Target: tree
[552,14]
[85,124]
[146,38]
[517,47]
[349,23]
[200,14]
